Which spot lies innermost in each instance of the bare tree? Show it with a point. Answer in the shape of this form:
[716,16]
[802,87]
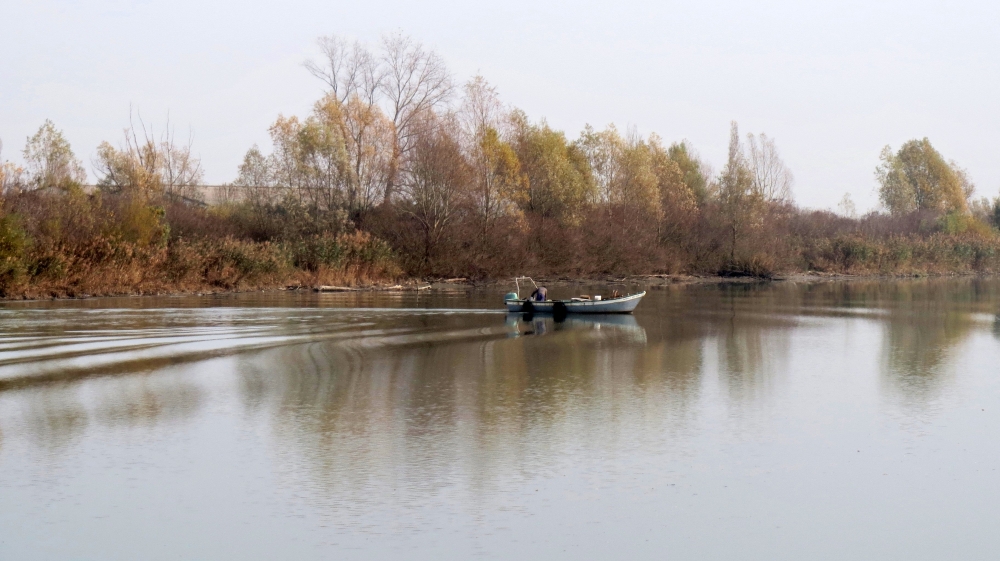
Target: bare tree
[147,165]
[403,81]
[416,80]
[771,179]
[437,178]
[481,109]
[348,70]
[847,208]
[180,170]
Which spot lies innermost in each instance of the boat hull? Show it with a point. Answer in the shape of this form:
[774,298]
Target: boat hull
[623,305]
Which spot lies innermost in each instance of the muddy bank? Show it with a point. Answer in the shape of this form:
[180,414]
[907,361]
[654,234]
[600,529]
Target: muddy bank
[502,285]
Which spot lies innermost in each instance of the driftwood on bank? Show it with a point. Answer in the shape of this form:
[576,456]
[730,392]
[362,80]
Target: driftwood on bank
[398,287]
[334,289]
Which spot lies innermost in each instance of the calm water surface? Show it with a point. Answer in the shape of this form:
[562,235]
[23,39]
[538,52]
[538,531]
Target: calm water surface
[827,421]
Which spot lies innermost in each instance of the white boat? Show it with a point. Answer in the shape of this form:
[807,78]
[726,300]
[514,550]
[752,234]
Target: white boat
[595,305]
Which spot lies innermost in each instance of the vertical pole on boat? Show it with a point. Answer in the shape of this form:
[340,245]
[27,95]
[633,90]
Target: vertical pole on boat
[517,284]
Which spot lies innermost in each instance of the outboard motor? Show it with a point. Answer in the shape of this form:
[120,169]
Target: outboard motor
[559,312]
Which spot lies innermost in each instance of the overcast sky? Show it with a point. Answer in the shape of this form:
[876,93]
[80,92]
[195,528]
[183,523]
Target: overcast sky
[831,82]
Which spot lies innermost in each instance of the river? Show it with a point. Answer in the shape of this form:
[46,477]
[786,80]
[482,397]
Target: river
[838,420]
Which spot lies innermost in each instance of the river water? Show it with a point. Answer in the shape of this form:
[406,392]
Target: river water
[842,420]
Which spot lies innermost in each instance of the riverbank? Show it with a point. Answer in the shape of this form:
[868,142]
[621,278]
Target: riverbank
[73,244]
[417,285]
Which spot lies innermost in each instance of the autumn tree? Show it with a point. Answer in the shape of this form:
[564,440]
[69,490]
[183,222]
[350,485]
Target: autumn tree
[437,179]
[285,163]
[622,168]
[694,171]
[497,184]
[320,148]
[604,152]
[325,169]
[307,178]
[262,199]
[917,177]
[557,176]
[131,168]
[638,188]
[147,165]
[482,109]
[402,81]
[737,199]
[11,175]
[334,158]
[254,179]
[50,162]
[678,201]
[754,179]
[497,181]
[371,148]
[139,174]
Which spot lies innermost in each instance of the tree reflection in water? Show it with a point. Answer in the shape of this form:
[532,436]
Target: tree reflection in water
[416,413]
[145,400]
[925,324]
[57,415]
[54,418]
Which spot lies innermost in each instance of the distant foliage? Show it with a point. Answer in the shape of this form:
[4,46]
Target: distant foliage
[917,177]
[557,175]
[396,172]
[149,167]
[50,162]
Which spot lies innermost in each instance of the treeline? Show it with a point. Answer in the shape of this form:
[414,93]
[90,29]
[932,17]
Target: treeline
[400,172]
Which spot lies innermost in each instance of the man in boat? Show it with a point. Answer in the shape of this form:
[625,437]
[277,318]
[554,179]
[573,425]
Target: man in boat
[540,294]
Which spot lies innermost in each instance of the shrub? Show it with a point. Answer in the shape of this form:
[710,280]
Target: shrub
[758,265]
[954,223]
[133,219]
[13,244]
[232,262]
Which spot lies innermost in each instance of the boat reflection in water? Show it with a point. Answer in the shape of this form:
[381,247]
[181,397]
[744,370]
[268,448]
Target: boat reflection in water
[620,325]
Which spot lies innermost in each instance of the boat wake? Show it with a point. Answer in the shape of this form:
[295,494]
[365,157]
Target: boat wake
[47,345]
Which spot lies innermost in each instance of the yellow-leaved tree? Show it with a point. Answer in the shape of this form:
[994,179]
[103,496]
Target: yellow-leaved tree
[558,180]
[917,177]
[50,162]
